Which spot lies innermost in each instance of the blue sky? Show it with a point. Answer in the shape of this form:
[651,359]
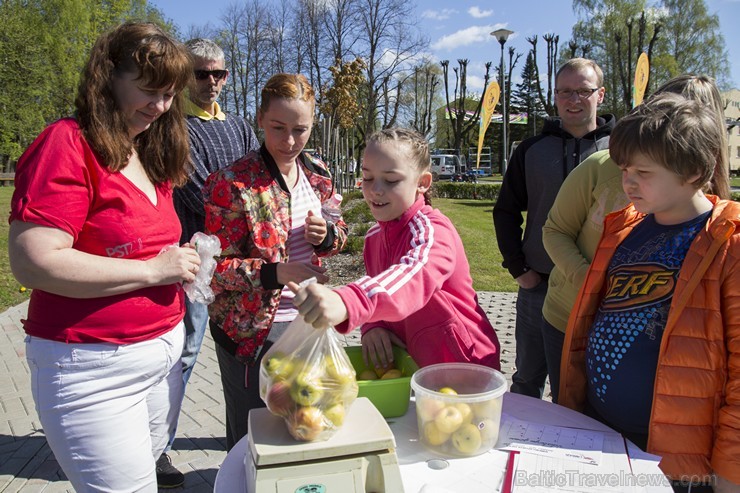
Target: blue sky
[460,29]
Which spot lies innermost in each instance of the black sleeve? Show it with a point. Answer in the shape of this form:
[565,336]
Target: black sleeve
[507,214]
[268,277]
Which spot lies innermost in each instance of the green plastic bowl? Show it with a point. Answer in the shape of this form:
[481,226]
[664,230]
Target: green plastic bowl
[391,396]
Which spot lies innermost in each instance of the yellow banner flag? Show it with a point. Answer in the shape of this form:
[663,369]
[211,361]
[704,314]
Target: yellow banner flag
[490,100]
[642,73]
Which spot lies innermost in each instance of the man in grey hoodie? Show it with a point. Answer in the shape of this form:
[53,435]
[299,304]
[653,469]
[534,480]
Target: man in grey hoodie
[536,170]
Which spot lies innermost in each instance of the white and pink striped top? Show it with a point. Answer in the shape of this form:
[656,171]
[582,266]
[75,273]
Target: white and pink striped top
[302,199]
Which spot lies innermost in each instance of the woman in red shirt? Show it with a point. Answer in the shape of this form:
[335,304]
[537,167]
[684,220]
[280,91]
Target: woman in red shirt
[94,233]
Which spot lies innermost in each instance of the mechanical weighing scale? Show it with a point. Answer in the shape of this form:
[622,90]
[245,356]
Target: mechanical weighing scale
[359,458]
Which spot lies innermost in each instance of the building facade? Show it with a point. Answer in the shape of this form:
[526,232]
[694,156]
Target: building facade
[731,100]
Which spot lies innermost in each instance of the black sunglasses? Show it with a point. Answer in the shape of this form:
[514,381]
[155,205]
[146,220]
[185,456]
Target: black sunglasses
[216,74]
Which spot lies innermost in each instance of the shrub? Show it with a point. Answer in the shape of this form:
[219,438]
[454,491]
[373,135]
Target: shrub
[471,191]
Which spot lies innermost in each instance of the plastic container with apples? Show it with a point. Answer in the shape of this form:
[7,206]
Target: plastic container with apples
[458,407]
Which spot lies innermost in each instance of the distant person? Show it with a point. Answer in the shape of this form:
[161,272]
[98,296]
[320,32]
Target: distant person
[576,221]
[94,233]
[418,293]
[538,167]
[266,210]
[217,139]
[652,348]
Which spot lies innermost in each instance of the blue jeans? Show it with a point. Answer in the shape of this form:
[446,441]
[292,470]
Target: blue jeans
[196,321]
[531,365]
[553,340]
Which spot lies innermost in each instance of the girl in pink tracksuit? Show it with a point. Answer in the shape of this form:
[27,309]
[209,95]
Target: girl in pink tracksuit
[418,292]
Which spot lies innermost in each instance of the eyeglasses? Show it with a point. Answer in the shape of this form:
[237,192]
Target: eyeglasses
[216,74]
[582,93]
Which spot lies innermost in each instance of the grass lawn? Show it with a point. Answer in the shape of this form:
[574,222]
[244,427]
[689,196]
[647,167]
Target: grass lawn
[474,223]
[10,294]
[472,218]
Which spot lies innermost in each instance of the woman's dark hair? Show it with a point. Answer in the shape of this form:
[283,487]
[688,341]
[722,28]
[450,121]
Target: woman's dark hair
[160,62]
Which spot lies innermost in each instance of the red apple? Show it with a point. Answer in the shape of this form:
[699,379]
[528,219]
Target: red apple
[278,399]
[306,423]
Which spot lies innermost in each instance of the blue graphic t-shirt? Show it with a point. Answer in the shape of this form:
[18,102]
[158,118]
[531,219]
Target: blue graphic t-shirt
[624,341]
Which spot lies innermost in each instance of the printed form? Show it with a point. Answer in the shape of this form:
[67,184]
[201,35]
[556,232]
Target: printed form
[573,460]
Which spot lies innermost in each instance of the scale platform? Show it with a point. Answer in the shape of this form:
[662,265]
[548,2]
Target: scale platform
[359,458]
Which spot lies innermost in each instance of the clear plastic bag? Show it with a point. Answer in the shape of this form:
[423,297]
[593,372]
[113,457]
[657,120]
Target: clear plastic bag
[307,379]
[208,247]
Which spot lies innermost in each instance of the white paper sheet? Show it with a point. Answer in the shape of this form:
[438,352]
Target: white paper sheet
[551,441]
[541,474]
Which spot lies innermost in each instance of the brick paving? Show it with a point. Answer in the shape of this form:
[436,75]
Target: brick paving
[27,464]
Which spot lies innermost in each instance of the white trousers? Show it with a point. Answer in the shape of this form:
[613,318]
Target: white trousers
[107,410]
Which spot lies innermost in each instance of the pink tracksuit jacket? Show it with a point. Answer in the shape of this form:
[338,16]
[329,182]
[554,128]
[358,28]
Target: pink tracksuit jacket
[418,285]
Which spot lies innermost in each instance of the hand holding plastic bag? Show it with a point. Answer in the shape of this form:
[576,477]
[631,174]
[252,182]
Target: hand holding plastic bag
[307,379]
[208,247]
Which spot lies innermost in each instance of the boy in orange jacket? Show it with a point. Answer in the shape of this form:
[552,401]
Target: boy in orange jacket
[652,346]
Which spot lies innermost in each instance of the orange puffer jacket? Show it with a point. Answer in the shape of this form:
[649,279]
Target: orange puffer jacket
[695,418]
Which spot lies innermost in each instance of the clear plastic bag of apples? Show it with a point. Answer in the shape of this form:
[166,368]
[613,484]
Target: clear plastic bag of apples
[307,379]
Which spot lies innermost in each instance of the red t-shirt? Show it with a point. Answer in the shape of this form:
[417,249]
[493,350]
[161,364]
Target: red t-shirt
[61,184]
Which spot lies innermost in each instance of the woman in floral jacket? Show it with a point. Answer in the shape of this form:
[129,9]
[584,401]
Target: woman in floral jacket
[266,210]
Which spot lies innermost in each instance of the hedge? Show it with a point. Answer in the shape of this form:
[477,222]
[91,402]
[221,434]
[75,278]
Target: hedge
[481,191]
[452,190]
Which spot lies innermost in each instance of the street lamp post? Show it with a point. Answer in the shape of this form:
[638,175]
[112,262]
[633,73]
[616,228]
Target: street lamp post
[502,35]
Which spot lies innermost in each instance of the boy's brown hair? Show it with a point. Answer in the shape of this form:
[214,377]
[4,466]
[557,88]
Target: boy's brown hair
[680,134]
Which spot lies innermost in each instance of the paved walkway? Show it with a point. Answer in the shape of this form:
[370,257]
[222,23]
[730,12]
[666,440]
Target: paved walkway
[27,464]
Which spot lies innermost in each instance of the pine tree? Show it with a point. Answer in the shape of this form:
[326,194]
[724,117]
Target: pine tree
[524,98]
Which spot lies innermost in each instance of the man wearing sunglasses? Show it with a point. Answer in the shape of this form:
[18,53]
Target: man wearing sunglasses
[536,170]
[217,139]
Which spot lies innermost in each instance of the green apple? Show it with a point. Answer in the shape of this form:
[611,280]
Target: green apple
[448,419]
[335,414]
[466,411]
[338,374]
[279,366]
[272,362]
[306,423]
[467,439]
[306,389]
[488,431]
[367,374]
[392,373]
[427,408]
[382,370]
[432,435]
[487,409]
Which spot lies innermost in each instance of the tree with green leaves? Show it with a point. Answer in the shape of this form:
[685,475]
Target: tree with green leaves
[679,36]
[526,99]
[44,45]
[690,41]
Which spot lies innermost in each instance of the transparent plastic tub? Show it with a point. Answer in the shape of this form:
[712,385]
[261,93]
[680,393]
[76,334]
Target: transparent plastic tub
[458,407]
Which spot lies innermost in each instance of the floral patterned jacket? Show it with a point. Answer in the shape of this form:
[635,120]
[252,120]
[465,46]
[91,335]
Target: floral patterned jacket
[248,208]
